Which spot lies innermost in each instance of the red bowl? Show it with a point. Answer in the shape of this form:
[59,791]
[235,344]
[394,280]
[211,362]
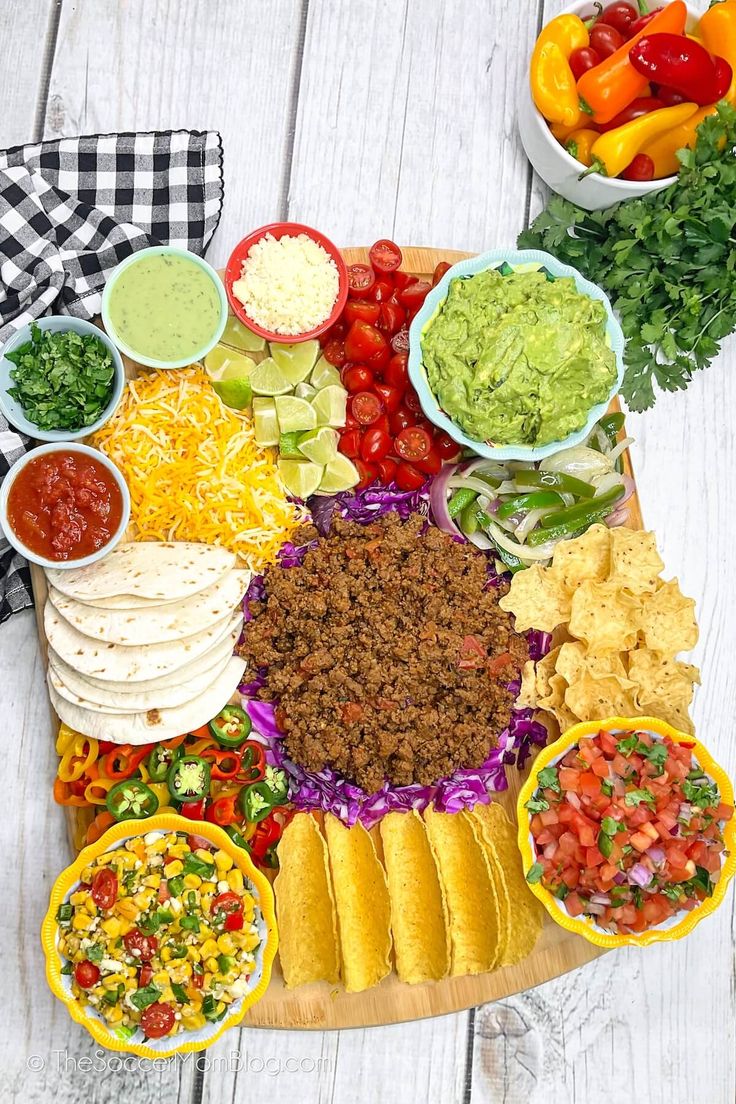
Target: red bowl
[278,230]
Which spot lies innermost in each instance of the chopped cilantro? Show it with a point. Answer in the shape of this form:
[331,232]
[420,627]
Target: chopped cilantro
[548,779]
[95,953]
[607,787]
[562,891]
[534,874]
[703,794]
[610,826]
[537,805]
[605,845]
[194,865]
[637,797]
[657,756]
[637,896]
[179,992]
[141,998]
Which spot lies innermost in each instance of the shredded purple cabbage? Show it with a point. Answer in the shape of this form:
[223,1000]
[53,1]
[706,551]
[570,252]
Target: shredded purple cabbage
[368,504]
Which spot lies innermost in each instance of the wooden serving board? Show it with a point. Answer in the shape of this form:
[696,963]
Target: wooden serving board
[323,1006]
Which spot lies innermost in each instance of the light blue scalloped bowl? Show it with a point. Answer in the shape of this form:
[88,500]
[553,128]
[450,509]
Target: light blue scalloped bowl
[519,259]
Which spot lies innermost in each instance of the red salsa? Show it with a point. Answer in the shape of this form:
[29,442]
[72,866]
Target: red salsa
[628,830]
[64,505]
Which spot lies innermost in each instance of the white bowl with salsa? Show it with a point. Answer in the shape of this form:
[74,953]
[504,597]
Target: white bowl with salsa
[55,530]
[164,307]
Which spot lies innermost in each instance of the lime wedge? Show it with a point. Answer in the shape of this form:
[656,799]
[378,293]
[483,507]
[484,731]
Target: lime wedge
[240,337]
[339,475]
[325,374]
[224,363]
[320,446]
[330,405]
[268,379]
[295,414]
[305,391]
[289,446]
[301,478]
[295,361]
[265,422]
[236,393]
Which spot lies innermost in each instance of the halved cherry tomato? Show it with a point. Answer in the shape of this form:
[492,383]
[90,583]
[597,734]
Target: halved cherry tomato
[157,1020]
[145,976]
[400,340]
[350,421]
[403,279]
[198,843]
[431,463]
[140,946]
[349,444]
[226,902]
[366,407]
[390,396]
[439,272]
[396,372]
[400,419]
[414,295]
[234,921]
[379,360]
[361,309]
[386,470]
[362,341]
[367,472]
[385,256]
[376,445]
[382,290]
[334,353]
[411,401]
[393,317]
[413,443]
[357,378]
[408,478]
[104,888]
[86,974]
[382,423]
[361,279]
[445,446]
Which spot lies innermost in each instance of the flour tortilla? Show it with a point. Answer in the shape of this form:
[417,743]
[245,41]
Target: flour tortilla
[123,663]
[162,570]
[156,624]
[75,689]
[156,724]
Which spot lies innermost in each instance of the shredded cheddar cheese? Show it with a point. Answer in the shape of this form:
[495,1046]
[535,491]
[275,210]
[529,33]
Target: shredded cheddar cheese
[194,470]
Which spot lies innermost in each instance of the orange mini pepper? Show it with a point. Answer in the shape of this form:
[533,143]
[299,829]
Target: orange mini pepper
[580,143]
[717,31]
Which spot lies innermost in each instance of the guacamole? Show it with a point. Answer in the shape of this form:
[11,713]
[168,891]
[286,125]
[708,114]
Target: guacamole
[518,359]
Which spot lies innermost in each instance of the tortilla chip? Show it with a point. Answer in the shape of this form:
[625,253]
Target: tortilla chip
[527,698]
[664,687]
[555,695]
[469,892]
[635,561]
[667,620]
[585,558]
[527,913]
[305,906]
[602,619]
[544,670]
[363,908]
[593,699]
[419,921]
[575,659]
[537,599]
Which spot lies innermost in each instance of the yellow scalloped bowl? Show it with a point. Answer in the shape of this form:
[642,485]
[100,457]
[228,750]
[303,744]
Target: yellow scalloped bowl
[682,923]
[189,1040]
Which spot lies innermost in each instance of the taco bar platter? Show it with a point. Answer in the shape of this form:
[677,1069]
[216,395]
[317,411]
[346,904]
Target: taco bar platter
[371,693]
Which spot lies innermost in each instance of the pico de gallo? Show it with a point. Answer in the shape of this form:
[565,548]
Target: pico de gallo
[627,829]
[386,434]
[218,773]
[160,935]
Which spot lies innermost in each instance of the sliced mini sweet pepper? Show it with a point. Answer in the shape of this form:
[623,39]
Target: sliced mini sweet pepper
[616,149]
[550,76]
[224,763]
[123,761]
[252,762]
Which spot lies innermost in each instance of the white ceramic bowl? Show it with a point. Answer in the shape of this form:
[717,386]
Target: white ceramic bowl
[558,169]
[44,450]
[12,409]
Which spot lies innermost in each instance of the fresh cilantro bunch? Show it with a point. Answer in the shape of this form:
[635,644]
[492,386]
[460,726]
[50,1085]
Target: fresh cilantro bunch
[62,380]
[667,262]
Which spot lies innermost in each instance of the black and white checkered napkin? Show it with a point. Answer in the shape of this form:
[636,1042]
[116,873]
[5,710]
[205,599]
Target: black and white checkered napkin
[70,211]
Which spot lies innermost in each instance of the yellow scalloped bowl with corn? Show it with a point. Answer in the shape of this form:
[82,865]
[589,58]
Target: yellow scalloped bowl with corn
[155,943]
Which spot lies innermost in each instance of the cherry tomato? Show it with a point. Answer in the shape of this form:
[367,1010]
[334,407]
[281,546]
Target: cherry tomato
[367,472]
[385,256]
[414,295]
[642,105]
[445,446]
[386,470]
[334,353]
[620,15]
[408,478]
[366,407]
[439,272]
[403,279]
[411,401]
[431,464]
[349,444]
[234,921]
[413,443]
[670,96]
[350,421]
[86,974]
[400,419]
[194,810]
[379,360]
[198,843]
[362,341]
[361,309]
[226,902]
[143,947]
[145,976]
[605,40]
[198,980]
[382,423]
[390,396]
[400,341]
[583,59]
[104,888]
[361,279]
[393,317]
[357,378]
[397,371]
[375,446]
[157,1020]
[382,290]
[641,168]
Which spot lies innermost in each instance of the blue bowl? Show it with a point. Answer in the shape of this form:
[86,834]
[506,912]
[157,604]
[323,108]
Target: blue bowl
[520,259]
[12,409]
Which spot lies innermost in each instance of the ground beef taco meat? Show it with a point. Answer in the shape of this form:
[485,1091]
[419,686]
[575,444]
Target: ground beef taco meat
[387,653]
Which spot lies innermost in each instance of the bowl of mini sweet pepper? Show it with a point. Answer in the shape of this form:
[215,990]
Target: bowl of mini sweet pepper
[614,93]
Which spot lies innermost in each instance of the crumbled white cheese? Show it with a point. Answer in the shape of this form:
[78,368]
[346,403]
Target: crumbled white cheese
[288,286]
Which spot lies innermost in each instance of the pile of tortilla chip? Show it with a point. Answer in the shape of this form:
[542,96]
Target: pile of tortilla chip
[617,629]
[434,896]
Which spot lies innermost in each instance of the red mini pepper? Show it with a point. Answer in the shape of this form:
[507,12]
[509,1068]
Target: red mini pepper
[642,105]
[123,761]
[683,64]
[224,763]
[223,811]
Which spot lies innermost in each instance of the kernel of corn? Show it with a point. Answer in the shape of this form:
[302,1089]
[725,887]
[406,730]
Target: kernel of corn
[161,977]
[192,881]
[208,888]
[223,861]
[81,922]
[194,1022]
[177,850]
[153,880]
[235,880]
[144,898]
[204,855]
[126,926]
[166,954]
[112,980]
[111,927]
[251,941]
[212,965]
[173,868]
[193,954]
[207,981]
[127,908]
[78,898]
[167,994]
[208,948]
[225,943]
[114,1015]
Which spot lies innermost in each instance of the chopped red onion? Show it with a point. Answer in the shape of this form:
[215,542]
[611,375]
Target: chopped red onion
[600,898]
[594,910]
[656,854]
[639,875]
[573,799]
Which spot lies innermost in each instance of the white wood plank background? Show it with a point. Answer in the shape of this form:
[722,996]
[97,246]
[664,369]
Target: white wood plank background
[370,118]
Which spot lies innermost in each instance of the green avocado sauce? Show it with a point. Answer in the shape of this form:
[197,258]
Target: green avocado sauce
[518,359]
[165,307]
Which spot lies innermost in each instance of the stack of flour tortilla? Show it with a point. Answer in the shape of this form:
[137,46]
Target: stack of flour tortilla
[141,642]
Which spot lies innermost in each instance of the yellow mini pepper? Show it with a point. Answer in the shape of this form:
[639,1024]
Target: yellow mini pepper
[552,82]
[717,32]
[663,150]
[580,143]
[616,149]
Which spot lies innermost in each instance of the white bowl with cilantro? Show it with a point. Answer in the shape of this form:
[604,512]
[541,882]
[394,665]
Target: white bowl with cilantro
[61,379]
